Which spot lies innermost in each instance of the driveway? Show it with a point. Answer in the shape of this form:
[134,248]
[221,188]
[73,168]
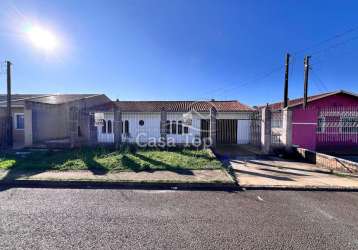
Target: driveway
[273,172]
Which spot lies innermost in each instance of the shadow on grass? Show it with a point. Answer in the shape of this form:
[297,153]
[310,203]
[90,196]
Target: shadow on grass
[195,154]
[165,166]
[39,162]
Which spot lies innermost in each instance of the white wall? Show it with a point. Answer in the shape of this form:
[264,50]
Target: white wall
[151,127]
[106,137]
[194,129]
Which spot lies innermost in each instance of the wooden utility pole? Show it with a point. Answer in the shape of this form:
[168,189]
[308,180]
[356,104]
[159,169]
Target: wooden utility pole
[9,136]
[305,83]
[285,92]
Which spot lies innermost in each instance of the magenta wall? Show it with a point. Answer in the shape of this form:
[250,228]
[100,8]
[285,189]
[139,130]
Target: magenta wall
[304,122]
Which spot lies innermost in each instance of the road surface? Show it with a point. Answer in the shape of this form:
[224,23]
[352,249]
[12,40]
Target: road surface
[140,219]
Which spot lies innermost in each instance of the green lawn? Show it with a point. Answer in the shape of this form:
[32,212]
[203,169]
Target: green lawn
[104,160]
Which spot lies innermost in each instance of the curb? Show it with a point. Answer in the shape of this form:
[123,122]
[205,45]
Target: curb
[119,185]
[298,188]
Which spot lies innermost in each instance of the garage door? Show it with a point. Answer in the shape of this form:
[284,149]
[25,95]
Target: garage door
[226,131]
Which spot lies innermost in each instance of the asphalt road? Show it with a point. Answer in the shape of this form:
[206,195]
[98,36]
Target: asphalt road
[138,219]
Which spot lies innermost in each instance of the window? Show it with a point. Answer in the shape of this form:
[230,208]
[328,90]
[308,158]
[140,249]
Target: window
[321,125]
[79,132]
[276,120]
[167,127]
[126,127]
[186,130]
[104,129]
[349,124]
[141,123]
[109,127]
[19,121]
[122,127]
[180,128]
[174,127]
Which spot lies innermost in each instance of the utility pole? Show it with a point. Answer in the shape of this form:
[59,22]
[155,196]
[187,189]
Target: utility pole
[9,136]
[305,83]
[285,93]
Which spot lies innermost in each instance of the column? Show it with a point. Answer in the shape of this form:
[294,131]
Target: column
[287,129]
[266,130]
[73,125]
[117,128]
[163,125]
[213,126]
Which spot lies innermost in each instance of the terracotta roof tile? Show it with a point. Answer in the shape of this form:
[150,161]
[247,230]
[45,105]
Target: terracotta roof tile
[174,106]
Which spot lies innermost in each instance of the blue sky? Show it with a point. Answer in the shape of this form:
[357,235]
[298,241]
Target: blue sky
[181,49]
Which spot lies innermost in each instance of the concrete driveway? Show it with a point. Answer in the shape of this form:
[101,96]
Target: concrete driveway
[272,172]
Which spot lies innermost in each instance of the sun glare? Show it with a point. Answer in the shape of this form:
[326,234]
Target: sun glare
[42,38]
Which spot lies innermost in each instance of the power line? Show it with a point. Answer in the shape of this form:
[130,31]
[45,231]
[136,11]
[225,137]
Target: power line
[339,35]
[319,79]
[327,40]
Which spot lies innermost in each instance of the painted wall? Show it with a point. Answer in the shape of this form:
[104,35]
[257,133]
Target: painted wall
[151,127]
[50,121]
[304,122]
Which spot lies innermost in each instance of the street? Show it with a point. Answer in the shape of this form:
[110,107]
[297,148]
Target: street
[143,219]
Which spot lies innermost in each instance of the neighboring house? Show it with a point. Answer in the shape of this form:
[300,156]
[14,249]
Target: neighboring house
[58,120]
[40,118]
[330,120]
[144,121]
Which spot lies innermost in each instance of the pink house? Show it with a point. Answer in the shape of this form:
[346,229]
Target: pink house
[329,121]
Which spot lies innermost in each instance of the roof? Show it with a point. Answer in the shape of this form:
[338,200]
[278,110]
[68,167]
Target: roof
[19,99]
[299,101]
[174,106]
[62,98]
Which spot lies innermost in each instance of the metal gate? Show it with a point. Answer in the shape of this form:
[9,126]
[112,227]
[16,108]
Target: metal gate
[255,128]
[226,131]
[337,126]
[276,128]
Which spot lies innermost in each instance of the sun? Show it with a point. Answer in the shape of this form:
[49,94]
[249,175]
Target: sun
[42,38]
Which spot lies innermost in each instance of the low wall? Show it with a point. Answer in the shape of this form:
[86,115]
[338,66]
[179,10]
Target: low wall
[327,161]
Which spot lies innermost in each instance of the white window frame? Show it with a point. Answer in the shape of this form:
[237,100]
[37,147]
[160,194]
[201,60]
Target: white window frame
[15,121]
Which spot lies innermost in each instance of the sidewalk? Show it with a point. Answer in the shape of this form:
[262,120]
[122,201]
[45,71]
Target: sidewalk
[277,173]
[187,178]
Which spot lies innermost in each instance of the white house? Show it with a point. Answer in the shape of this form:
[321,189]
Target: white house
[182,122]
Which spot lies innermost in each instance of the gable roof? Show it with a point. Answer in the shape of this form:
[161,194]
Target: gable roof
[19,99]
[299,101]
[175,106]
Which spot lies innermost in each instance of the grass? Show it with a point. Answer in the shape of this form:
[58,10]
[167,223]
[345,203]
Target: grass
[105,160]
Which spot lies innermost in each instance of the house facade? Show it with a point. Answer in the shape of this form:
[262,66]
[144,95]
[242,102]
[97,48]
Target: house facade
[40,119]
[177,122]
[92,119]
[329,121]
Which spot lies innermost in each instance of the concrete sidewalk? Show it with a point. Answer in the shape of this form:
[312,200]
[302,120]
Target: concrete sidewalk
[272,172]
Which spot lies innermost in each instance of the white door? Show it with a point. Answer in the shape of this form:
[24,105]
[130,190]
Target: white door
[243,131]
